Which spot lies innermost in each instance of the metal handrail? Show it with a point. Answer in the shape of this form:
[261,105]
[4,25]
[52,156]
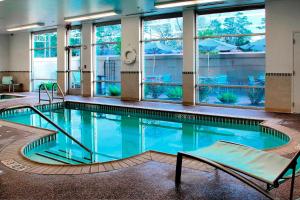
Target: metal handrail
[51,122]
[60,90]
[48,94]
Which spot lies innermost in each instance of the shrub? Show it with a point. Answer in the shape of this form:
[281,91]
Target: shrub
[48,86]
[154,90]
[228,98]
[114,90]
[203,93]
[256,95]
[175,93]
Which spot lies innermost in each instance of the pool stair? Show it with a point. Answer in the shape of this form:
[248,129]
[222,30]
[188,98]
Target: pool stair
[61,157]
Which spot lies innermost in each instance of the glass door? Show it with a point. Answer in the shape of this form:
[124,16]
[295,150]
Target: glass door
[74,70]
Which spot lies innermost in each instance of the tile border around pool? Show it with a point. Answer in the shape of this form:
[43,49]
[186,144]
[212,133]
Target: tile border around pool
[12,157]
[156,113]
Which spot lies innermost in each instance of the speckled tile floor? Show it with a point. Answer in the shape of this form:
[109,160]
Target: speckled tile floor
[151,180]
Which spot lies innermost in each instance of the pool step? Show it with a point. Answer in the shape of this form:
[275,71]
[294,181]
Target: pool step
[57,158]
[54,160]
[63,154]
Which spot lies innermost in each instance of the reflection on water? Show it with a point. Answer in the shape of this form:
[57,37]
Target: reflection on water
[112,136]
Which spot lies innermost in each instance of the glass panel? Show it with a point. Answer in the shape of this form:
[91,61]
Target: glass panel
[162,92]
[108,49]
[45,53]
[74,37]
[163,28]
[45,40]
[234,60]
[109,33]
[75,79]
[163,59]
[108,89]
[37,83]
[108,60]
[163,65]
[75,59]
[241,22]
[231,96]
[221,65]
[44,61]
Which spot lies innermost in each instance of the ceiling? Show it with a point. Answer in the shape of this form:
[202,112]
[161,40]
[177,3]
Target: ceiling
[52,12]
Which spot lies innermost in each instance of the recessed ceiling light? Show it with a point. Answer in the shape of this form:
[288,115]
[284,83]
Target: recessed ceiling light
[173,4]
[90,16]
[25,27]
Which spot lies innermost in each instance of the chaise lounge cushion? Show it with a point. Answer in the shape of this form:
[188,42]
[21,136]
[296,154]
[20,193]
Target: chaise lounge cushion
[259,164]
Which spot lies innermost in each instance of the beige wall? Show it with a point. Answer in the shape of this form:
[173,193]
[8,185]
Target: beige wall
[15,58]
[282,20]
[4,52]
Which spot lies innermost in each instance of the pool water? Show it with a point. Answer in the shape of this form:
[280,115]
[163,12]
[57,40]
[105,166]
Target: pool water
[117,136]
[7,96]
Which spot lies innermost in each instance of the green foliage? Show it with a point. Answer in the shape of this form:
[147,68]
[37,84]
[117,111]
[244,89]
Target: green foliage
[228,98]
[48,86]
[231,25]
[114,90]
[256,95]
[203,93]
[154,90]
[175,93]
[109,33]
[46,43]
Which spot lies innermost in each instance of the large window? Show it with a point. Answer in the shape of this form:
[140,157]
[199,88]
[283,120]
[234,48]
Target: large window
[162,72]
[107,59]
[44,58]
[74,60]
[231,58]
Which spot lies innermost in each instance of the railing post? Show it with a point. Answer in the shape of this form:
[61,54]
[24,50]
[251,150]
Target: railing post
[178,169]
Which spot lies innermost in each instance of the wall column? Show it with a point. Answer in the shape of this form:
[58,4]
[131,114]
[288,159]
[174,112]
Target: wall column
[131,73]
[62,59]
[86,60]
[282,19]
[189,61]
[20,59]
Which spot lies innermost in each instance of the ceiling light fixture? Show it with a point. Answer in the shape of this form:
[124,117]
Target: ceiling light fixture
[90,16]
[25,27]
[173,4]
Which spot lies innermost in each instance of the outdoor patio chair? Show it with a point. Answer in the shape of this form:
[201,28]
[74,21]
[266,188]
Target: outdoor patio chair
[236,159]
[8,81]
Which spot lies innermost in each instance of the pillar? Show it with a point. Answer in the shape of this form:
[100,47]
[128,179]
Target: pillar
[62,59]
[86,60]
[189,60]
[131,73]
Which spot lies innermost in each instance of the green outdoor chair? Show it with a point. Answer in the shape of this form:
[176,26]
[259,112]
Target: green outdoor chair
[237,159]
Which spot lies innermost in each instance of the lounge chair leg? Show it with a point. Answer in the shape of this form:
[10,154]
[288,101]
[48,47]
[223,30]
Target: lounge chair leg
[293,182]
[178,169]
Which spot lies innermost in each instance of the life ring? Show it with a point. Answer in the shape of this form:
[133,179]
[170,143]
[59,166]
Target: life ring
[129,56]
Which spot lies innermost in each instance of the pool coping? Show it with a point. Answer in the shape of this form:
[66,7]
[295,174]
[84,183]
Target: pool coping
[13,158]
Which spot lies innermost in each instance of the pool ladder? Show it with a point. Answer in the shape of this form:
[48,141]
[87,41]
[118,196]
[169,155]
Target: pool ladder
[53,124]
[51,97]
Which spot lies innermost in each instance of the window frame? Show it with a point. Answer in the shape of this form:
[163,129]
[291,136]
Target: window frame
[197,39]
[95,44]
[68,50]
[32,49]
[143,41]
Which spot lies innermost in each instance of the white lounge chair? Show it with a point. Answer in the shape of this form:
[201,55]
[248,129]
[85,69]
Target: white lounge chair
[236,159]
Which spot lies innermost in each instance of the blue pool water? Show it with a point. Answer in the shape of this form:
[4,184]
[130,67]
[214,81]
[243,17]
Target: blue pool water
[117,136]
